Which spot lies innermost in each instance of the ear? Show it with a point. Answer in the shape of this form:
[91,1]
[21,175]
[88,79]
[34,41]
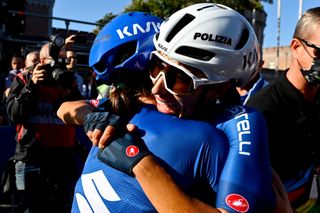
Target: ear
[296,47]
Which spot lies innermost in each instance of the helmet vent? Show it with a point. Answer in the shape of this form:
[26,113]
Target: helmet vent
[186,19]
[196,53]
[116,56]
[156,36]
[124,51]
[243,40]
[202,8]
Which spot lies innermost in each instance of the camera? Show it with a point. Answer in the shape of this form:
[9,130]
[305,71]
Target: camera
[57,68]
[80,39]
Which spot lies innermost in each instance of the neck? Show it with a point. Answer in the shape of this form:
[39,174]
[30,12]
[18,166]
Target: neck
[296,78]
[244,89]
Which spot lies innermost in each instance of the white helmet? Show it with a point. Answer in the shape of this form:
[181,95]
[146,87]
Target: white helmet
[213,38]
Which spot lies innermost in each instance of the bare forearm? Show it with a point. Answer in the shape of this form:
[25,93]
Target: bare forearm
[163,193]
[282,200]
[74,112]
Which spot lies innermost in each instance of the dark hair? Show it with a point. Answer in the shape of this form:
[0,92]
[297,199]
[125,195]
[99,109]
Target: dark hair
[129,85]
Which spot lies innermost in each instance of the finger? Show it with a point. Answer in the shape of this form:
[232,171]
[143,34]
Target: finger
[106,137]
[90,136]
[71,37]
[96,135]
[131,127]
[38,66]
[40,75]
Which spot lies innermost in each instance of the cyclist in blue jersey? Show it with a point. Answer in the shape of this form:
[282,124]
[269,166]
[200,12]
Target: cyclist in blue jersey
[236,191]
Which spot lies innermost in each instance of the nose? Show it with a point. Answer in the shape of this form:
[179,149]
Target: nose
[158,86]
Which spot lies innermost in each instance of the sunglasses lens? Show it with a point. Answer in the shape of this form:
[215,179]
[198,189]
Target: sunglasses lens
[315,47]
[155,67]
[176,80]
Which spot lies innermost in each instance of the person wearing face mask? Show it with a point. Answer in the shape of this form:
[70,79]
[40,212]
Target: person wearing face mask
[291,106]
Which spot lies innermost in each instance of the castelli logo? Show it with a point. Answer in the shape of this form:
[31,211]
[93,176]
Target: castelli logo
[132,151]
[237,202]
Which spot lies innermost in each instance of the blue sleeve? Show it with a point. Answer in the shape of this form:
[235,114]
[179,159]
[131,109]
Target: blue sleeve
[245,183]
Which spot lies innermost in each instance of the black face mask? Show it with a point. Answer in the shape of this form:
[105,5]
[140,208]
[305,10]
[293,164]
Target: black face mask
[312,75]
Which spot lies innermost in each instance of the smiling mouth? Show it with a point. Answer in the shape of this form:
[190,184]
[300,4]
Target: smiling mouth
[167,107]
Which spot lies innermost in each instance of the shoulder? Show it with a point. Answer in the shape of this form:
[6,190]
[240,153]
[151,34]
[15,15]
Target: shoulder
[21,77]
[274,96]
[239,118]
[12,72]
[236,112]
[149,119]
[263,97]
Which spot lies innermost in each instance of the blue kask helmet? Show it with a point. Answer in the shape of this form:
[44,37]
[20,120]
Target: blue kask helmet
[124,43]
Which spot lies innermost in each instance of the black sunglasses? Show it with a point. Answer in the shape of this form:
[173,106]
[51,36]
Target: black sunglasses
[308,44]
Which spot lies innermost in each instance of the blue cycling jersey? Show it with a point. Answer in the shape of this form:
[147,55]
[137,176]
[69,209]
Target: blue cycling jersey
[260,83]
[244,181]
[196,156]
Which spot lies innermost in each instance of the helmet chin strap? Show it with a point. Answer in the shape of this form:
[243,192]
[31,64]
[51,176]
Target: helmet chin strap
[312,75]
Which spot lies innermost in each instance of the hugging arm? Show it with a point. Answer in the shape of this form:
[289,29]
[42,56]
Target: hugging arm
[169,197]
[150,175]
[99,126]
[74,112]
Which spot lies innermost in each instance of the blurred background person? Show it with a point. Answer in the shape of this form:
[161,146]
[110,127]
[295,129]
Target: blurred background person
[17,65]
[72,67]
[32,59]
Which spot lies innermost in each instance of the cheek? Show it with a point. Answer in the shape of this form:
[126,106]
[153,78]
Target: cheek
[304,58]
[189,102]
[184,88]
[306,62]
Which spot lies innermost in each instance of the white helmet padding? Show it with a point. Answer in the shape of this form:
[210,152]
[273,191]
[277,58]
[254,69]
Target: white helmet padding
[213,38]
